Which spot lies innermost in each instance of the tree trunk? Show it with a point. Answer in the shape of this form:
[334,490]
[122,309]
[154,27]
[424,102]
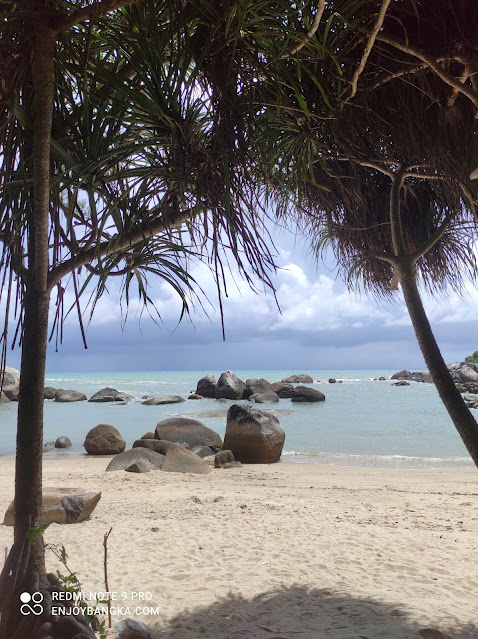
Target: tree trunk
[460,414]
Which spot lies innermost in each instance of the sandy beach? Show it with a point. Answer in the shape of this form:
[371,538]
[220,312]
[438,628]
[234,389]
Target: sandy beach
[282,551]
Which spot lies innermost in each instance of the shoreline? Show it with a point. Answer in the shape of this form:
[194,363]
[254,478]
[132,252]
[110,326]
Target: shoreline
[299,550]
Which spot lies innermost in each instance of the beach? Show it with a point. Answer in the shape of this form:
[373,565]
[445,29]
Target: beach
[279,551]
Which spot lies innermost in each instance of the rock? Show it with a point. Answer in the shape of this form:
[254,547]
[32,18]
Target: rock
[104,439]
[131,629]
[202,451]
[468,388]
[402,383]
[65,396]
[233,464]
[159,401]
[381,379]
[181,460]
[229,386]
[195,396]
[11,392]
[206,386]
[420,376]
[124,398]
[253,436]
[104,395]
[62,506]
[63,442]
[432,633]
[187,431]
[264,398]
[139,467]
[284,390]
[332,380]
[303,378]
[49,392]
[148,435]
[222,458]
[134,456]
[4,399]
[11,376]
[47,446]
[307,394]
[255,386]
[464,372]
[158,445]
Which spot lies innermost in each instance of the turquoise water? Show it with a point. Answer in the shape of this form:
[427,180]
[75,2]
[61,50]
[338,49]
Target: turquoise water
[362,422]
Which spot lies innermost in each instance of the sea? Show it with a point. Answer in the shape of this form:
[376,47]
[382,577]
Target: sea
[362,422]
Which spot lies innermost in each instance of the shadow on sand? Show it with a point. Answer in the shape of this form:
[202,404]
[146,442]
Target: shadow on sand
[300,613]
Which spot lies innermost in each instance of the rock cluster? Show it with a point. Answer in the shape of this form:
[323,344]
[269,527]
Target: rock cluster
[464,374]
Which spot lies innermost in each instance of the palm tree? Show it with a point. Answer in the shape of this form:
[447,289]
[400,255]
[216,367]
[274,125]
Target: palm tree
[383,167]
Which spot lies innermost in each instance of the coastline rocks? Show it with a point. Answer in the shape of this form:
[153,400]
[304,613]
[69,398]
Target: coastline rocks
[264,398]
[402,383]
[159,401]
[63,442]
[49,392]
[158,445]
[229,386]
[285,390]
[222,458]
[11,377]
[464,372]
[255,386]
[187,431]
[110,395]
[206,386]
[470,401]
[62,506]
[468,388]
[181,460]
[4,399]
[65,396]
[135,456]
[253,436]
[148,435]
[303,378]
[419,376]
[307,394]
[195,396]
[104,439]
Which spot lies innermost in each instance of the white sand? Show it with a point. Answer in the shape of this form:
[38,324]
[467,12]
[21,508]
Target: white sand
[283,551]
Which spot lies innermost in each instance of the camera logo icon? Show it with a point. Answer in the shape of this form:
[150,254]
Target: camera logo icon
[31,603]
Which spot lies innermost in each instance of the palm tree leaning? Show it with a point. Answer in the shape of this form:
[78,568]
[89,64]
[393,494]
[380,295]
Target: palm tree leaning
[383,167]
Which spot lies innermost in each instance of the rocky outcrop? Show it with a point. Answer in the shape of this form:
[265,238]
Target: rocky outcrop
[187,431]
[195,396]
[303,378]
[307,394]
[285,390]
[11,392]
[403,382]
[419,376]
[229,386]
[471,401]
[104,439]
[254,436]
[461,372]
[49,392]
[110,395]
[255,386]
[65,396]
[206,386]
[264,398]
[136,455]
[63,442]
[62,506]
[11,377]
[158,445]
[4,399]
[159,401]
[181,460]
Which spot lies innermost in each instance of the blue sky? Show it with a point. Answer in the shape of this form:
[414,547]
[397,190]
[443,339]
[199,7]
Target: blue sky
[320,325]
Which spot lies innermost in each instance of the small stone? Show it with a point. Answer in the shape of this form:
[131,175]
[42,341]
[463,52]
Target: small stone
[63,442]
[131,629]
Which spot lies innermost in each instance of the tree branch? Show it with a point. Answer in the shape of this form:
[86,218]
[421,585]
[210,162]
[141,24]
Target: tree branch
[433,64]
[368,48]
[90,12]
[312,31]
[433,239]
[117,243]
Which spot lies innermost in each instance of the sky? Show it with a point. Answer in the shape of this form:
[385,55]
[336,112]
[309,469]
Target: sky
[318,325]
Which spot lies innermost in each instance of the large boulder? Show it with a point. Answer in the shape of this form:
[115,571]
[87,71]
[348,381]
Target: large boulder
[307,394]
[65,396]
[229,386]
[11,392]
[181,460]
[255,386]
[11,377]
[158,445]
[4,399]
[62,506]
[187,431]
[264,398]
[418,376]
[159,401]
[254,436]
[285,390]
[303,378]
[134,456]
[206,386]
[110,395]
[63,442]
[49,392]
[104,439]
[464,372]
